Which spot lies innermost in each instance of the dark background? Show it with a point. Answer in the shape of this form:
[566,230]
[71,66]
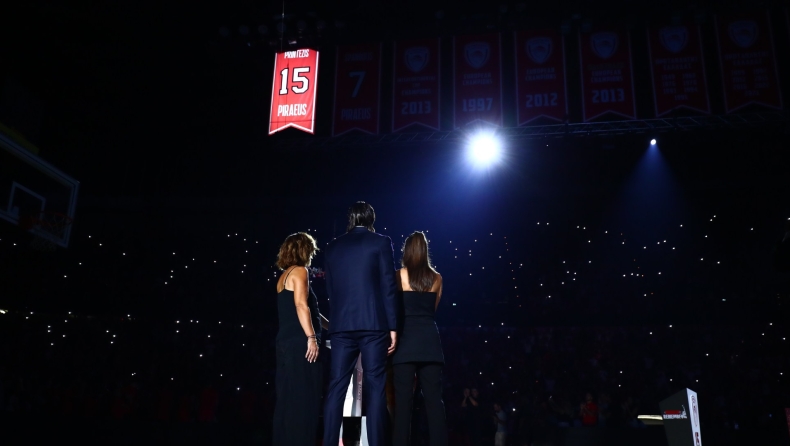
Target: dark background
[162,119]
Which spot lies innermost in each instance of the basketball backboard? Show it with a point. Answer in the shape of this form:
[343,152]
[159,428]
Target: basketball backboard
[32,189]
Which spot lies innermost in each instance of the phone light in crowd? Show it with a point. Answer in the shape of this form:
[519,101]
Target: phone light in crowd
[652,142]
[484,149]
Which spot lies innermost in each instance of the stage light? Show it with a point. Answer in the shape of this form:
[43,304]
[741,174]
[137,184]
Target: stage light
[652,142]
[484,149]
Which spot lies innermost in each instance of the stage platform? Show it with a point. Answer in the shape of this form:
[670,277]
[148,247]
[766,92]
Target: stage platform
[22,429]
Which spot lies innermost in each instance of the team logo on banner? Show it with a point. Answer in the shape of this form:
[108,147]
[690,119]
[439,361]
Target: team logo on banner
[293,90]
[415,84]
[674,38]
[606,87]
[539,49]
[678,71]
[604,44]
[748,61]
[743,33]
[477,80]
[540,76]
[477,54]
[417,58]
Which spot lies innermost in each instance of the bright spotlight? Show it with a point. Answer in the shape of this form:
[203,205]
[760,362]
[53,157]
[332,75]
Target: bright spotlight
[484,149]
[652,142]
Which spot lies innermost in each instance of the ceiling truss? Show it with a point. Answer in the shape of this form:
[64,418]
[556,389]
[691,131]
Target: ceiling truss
[777,120]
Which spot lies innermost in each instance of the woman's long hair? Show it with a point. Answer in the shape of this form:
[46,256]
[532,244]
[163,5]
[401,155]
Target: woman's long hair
[417,262]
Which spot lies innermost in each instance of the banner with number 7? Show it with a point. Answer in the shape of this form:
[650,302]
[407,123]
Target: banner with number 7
[293,90]
[357,89]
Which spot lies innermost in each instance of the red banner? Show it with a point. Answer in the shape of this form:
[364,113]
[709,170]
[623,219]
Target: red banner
[415,85]
[678,69]
[540,76]
[748,64]
[357,93]
[293,90]
[478,79]
[607,79]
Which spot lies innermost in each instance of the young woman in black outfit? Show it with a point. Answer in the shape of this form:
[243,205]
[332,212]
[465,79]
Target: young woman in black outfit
[298,380]
[419,349]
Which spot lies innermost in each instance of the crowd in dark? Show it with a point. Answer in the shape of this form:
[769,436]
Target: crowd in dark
[563,326]
[209,372]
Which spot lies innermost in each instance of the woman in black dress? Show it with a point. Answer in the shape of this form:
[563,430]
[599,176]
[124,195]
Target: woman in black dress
[299,374]
[419,347]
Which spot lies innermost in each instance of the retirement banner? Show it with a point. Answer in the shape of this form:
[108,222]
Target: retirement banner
[477,83]
[540,76]
[415,84]
[293,90]
[607,79]
[748,63]
[678,68]
[357,94]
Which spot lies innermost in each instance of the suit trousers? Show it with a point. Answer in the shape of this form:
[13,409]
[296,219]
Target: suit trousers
[430,378]
[346,347]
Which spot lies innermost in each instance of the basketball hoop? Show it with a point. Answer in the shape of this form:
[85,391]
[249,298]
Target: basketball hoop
[46,228]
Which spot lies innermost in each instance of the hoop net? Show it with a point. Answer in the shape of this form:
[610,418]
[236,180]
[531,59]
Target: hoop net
[48,226]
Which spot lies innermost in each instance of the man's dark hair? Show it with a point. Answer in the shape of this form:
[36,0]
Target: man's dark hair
[361,214]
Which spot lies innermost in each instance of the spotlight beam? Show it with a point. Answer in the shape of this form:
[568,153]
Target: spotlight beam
[484,149]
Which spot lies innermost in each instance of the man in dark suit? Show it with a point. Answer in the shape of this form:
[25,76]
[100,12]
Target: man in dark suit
[360,284]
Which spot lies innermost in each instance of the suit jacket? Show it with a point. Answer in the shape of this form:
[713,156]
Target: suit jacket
[360,282]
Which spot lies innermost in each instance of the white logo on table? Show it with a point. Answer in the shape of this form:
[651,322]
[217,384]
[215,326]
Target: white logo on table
[477,53]
[694,411]
[417,58]
[743,33]
[604,44]
[674,38]
[539,49]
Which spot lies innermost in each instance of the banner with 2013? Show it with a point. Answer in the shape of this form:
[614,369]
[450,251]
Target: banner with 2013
[601,88]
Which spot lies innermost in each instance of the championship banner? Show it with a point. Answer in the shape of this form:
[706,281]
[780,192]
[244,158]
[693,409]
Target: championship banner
[415,85]
[357,93]
[748,64]
[477,85]
[607,79]
[540,76]
[293,91]
[678,69]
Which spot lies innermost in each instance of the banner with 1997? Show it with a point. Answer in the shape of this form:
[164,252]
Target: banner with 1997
[478,79]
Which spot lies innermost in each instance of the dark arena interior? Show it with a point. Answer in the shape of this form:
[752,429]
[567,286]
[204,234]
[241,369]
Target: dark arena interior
[628,242]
